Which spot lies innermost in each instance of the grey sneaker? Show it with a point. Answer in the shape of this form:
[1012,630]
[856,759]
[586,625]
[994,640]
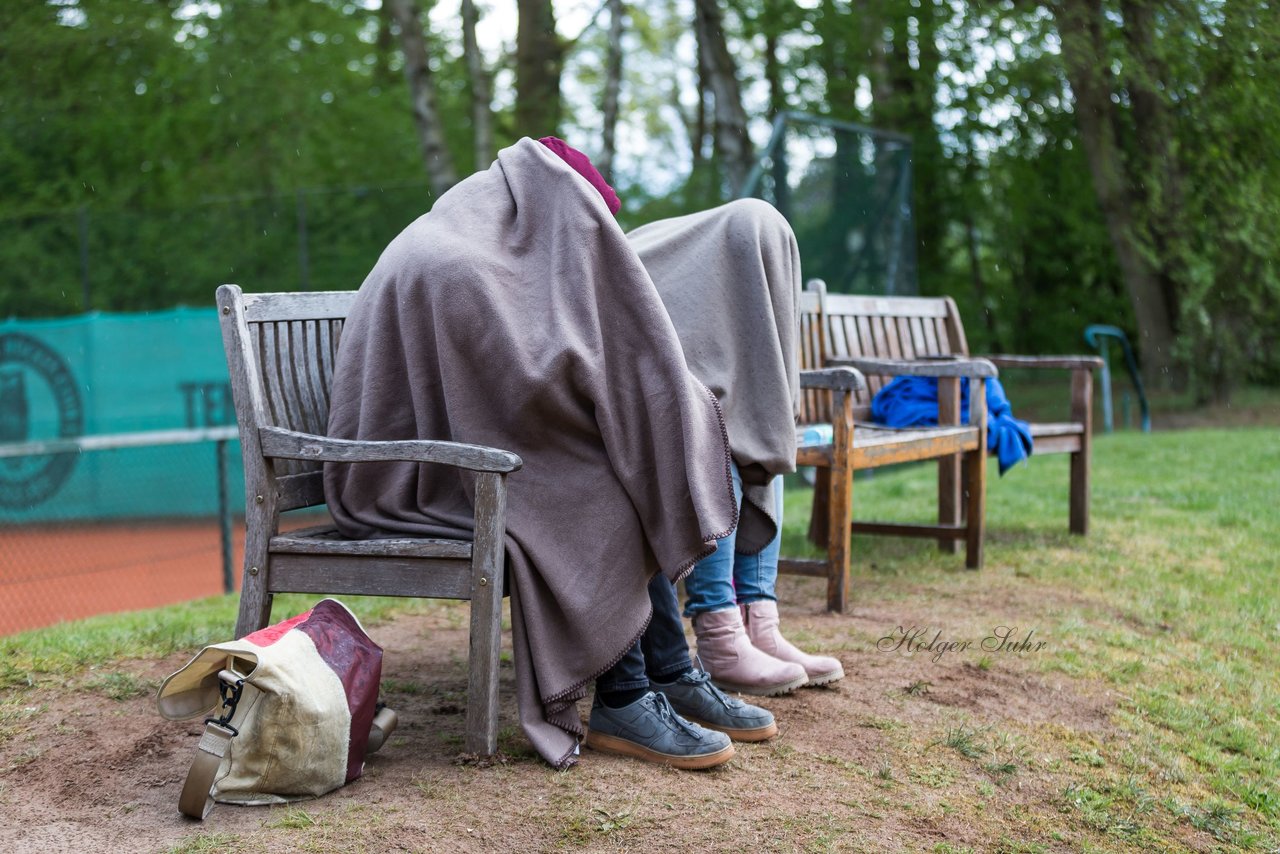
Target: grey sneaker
[649,729]
[695,698]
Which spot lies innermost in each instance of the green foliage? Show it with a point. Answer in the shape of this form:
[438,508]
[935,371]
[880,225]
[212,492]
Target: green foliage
[176,139]
[1227,101]
[179,145]
[965,741]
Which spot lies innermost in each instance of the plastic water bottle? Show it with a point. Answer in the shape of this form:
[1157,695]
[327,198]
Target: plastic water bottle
[814,435]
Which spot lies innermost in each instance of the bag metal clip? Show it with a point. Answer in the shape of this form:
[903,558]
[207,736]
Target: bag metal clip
[230,687]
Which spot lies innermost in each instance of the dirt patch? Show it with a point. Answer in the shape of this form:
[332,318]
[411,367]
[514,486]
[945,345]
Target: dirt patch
[878,762]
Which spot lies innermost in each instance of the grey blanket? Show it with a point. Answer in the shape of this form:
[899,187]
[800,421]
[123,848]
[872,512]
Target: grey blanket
[515,314]
[730,279]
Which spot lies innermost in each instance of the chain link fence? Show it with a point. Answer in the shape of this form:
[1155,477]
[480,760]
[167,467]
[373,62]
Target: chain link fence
[115,523]
[119,468]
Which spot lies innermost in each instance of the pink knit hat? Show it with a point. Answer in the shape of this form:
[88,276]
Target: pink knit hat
[582,165]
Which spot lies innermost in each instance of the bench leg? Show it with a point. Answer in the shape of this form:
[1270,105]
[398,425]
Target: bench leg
[840,504]
[950,507]
[255,600]
[975,501]
[487,565]
[818,528]
[840,540]
[1081,411]
[949,504]
[975,481]
[1079,518]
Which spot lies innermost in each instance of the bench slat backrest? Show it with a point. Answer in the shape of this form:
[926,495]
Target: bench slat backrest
[281,350]
[815,404]
[873,326]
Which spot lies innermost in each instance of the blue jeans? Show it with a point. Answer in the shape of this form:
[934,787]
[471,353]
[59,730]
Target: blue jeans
[661,651]
[726,578]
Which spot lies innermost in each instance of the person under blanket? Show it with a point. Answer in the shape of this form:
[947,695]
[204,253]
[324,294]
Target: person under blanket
[738,324]
[737,331]
[516,314]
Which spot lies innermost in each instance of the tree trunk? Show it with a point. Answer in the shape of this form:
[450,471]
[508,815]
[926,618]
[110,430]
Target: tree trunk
[842,53]
[904,100]
[979,283]
[700,127]
[777,106]
[1083,54]
[612,86]
[440,172]
[929,161]
[969,189]
[1160,173]
[878,53]
[732,142]
[481,108]
[539,62]
[382,73]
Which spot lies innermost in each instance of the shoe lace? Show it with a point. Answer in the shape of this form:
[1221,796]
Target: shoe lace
[700,677]
[667,713]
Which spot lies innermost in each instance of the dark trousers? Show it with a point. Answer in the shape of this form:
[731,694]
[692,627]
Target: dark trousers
[661,650]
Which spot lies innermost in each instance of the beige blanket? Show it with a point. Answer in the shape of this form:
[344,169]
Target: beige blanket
[515,314]
[730,279]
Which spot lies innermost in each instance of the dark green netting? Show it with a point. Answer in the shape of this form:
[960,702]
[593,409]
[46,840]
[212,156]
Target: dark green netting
[846,190]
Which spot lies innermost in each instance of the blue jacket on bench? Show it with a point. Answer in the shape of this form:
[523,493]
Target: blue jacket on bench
[913,402]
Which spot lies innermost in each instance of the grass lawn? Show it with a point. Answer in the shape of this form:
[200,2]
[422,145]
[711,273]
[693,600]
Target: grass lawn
[1148,720]
[1173,600]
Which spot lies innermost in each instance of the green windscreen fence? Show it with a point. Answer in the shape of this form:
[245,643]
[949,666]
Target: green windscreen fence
[846,189]
[114,373]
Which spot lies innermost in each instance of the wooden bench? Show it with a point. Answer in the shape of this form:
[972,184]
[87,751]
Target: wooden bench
[856,444]
[280,349]
[875,335]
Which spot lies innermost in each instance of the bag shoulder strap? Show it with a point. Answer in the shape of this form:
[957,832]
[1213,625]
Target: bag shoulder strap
[196,799]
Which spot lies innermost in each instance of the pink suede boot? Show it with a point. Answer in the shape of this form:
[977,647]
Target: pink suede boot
[761,621]
[736,665]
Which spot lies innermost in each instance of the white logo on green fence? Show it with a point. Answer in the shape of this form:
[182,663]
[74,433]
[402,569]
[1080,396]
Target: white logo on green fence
[38,400]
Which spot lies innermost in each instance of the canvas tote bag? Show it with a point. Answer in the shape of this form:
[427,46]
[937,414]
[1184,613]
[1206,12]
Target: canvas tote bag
[291,710]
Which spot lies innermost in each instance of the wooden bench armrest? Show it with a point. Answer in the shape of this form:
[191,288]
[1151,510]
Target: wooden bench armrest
[950,366]
[290,445]
[1059,362]
[846,379]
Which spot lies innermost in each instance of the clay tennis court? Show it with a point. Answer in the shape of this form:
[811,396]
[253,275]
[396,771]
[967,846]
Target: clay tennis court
[52,573]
